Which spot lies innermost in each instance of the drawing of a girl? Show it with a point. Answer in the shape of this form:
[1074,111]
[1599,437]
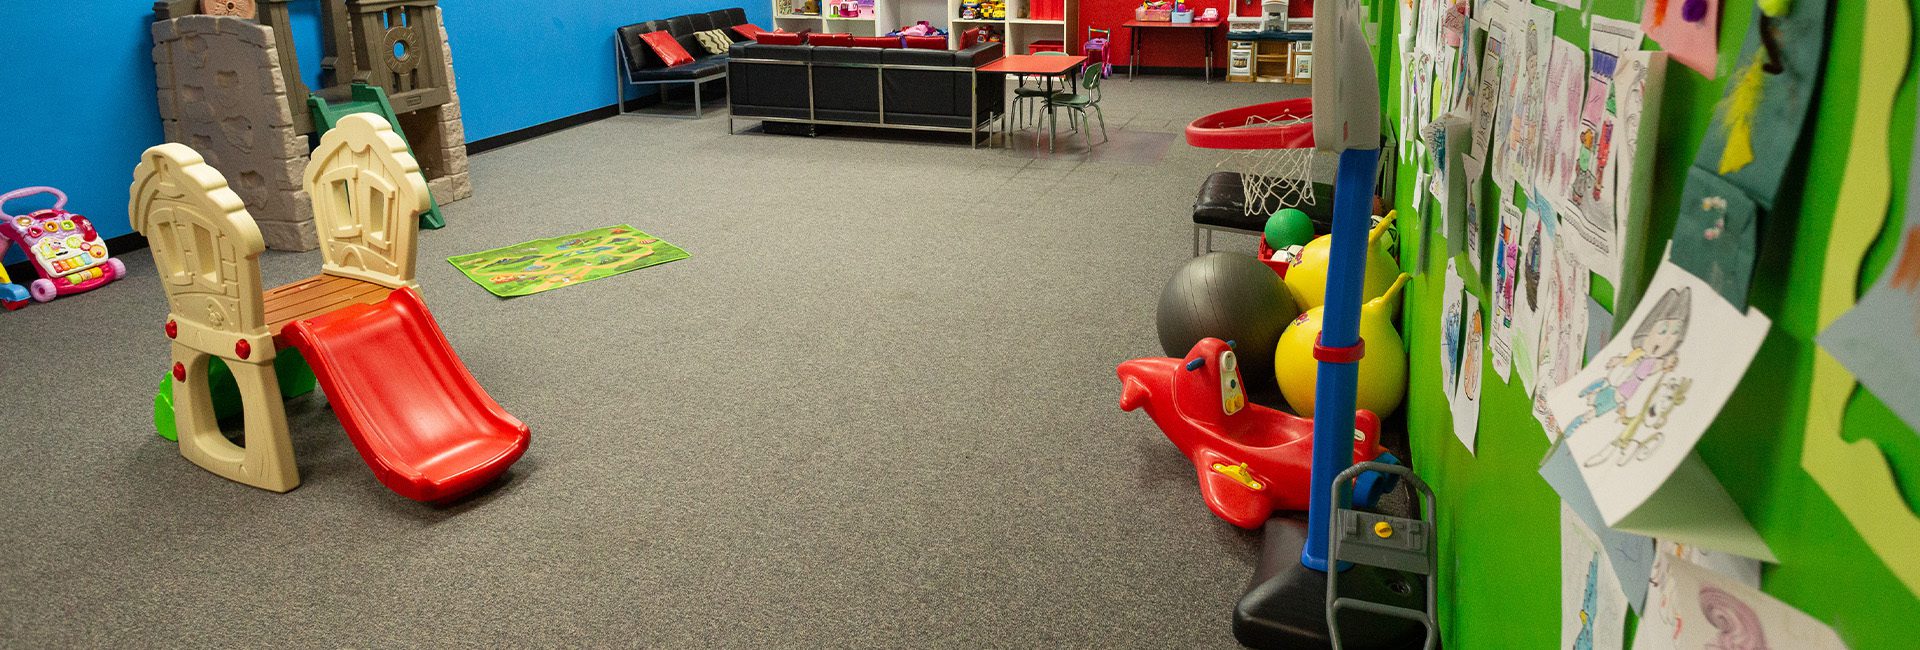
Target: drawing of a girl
[1655,345]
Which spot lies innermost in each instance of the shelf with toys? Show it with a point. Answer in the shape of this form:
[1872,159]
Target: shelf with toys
[1020,23]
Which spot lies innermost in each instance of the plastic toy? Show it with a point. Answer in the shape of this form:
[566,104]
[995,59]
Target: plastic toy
[1308,279]
[65,250]
[12,296]
[1383,371]
[417,417]
[1228,296]
[1252,460]
[1289,227]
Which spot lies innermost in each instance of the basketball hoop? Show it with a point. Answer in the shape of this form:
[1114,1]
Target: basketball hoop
[1273,150]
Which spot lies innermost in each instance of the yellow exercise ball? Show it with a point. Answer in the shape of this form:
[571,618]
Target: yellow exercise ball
[1383,371]
[1307,280]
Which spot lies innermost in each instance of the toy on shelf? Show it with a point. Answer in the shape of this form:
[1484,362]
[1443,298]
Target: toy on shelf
[417,417]
[12,296]
[922,28]
[70,256]
[1252,460]
[1154,11]
[1383,371]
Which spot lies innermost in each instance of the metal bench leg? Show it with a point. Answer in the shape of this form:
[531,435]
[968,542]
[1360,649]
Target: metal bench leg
[1196,240]
[696,100]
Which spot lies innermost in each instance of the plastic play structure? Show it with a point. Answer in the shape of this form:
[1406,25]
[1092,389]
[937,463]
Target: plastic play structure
[1252,460]
[65,250]
[418,418]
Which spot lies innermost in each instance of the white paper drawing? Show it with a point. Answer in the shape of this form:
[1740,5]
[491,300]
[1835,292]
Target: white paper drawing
[1692,607]
[1505,265]
[1743,570]
[1632,416]
[1488,100]
[1475,266]
[1452,317]
[1593,608]
[1466,396]
[1591,220]
[1563,330]
[1534,280]
[1559,157]
[1638,83]
[1531,43]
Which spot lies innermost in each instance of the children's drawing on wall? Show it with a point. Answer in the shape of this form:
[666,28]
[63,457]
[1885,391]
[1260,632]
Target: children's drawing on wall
[1563,331]
[1654,355]
[1694,607]
[1633,414]
[1590,218]
[1466,396]
[1474,203]
[1640,82]
[1506,263]
[1451,319]
[1488,98]
[1534,278]
[1560,137]
[1593,608]
[1630,555]
[1688,29]
[1534,26]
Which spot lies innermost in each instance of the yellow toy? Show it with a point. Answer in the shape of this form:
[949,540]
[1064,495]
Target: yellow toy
[12,296]
[1307,279]
[1383,372]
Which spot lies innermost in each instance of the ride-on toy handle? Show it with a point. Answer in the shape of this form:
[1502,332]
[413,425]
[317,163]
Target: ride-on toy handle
[59,203]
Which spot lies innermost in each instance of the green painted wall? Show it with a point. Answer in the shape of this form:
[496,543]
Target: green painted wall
[1500,522]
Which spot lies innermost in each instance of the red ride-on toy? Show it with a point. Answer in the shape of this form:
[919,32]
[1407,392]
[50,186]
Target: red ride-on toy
[66,251]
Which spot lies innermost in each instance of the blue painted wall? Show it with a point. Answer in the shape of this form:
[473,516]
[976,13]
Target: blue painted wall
[80,103]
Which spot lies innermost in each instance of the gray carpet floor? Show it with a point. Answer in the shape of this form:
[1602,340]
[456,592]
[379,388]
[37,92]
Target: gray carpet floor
[876,408]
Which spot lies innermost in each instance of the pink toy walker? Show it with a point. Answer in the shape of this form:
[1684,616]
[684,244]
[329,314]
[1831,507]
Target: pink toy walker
[66,251]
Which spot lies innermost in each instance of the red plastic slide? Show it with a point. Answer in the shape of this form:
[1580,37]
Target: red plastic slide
[417,416]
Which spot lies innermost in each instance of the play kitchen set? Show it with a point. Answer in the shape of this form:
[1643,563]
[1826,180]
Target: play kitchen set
[1270,42]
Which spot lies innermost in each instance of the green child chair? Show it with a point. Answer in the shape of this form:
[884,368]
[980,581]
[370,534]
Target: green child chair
[1087,99]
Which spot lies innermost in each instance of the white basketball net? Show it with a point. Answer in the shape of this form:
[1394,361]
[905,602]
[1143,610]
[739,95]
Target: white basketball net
[1274,174]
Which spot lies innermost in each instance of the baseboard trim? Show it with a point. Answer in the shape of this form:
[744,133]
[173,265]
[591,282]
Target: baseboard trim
[484,145]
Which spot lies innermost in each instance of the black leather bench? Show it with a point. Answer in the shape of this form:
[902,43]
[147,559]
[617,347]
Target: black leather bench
[637,65]
[928,90]
[1222,205]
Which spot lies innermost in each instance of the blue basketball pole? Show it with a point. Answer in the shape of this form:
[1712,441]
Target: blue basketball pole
[1339,370]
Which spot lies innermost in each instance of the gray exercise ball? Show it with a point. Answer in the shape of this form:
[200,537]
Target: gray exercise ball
[1229,296]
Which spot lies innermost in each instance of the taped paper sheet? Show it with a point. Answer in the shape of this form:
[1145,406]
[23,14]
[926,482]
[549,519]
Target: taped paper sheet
[1633,415]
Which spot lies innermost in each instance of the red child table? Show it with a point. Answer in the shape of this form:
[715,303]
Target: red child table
[1208,33]
[1039,65]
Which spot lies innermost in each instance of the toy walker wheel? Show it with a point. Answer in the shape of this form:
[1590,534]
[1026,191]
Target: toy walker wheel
[12,305]
[43,290]
[118,267]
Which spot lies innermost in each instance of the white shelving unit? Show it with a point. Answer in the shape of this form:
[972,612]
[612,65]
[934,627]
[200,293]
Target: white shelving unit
[1017,29]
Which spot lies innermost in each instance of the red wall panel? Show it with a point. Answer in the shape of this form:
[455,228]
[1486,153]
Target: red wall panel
[1166,48]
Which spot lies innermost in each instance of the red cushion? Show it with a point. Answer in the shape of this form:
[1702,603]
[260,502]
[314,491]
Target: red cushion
[876,41]
[748,31]
[842,39]
[667,49]
[779,38]
[927,42]
[969,38]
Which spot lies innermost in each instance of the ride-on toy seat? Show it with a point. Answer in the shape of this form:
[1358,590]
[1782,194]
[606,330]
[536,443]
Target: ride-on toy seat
[1252,460]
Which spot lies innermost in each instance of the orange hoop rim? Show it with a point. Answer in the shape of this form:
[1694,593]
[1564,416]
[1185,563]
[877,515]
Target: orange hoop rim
[1228,129]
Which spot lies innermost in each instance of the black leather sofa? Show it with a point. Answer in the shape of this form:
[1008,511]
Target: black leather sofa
[637,65]
[928,90]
